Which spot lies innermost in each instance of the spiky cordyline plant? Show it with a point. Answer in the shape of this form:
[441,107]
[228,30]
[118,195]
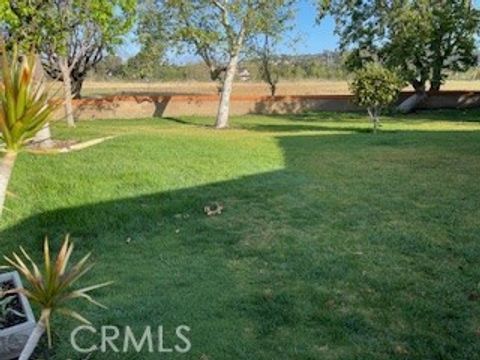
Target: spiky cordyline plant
[24,108]
[24,102]
[52,287]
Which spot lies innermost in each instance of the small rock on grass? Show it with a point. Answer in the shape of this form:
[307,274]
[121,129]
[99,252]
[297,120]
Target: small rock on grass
[213,209]
[401,350]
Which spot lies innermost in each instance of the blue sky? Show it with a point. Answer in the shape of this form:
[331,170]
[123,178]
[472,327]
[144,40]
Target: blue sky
[317,38]
[313,37]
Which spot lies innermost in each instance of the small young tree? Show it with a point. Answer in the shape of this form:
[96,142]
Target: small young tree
[375,87]
[268,62]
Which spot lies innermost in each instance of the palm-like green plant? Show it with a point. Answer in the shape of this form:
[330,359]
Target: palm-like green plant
[25,108]
[52,287]
[24,102]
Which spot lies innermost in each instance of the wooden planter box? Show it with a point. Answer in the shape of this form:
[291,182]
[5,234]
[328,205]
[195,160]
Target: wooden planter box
[13,339]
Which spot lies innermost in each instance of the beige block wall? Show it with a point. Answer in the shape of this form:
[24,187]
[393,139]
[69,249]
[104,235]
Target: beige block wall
[130,107]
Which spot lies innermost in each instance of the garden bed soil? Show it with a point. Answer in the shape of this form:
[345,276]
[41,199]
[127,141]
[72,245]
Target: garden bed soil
[55,145]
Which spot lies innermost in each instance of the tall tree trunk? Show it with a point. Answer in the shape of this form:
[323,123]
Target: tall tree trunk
[33,340]
[224,106]
[6,168]
[374,112]
[438,64]
[67,90]
[273,89]
[44,137]
[376,123]
[435,86]
[436,81]
[410,103]
[77,84]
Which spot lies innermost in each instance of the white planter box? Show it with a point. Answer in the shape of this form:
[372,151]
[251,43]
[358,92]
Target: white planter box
[13,339]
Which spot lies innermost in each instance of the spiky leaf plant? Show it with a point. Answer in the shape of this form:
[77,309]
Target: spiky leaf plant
[24,103]
[25,108]
[52,287]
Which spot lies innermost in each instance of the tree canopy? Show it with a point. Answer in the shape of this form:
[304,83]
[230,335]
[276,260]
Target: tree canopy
[423,39]
[218,31]
[152,41]
[80,30]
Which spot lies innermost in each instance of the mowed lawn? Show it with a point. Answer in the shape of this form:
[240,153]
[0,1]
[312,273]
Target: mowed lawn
[334,243]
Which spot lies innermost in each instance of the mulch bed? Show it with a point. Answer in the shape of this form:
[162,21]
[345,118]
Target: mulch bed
[56,144]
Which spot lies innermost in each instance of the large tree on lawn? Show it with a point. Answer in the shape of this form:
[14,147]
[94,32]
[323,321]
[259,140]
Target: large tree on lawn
[71,36]
[218,31]
[423,39]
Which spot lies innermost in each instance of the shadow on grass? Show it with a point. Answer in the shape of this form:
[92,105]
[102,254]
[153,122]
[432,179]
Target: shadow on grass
[329,121]
[285,260]
[291,123]
[177,120]
[326,121]
[300,127]
[320,116]
[454,115]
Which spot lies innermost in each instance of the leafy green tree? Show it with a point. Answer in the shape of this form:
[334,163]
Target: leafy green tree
[152,40]
[374,87]
[72,36]
[423,39]
[111,66]
[145,65]
[218,31]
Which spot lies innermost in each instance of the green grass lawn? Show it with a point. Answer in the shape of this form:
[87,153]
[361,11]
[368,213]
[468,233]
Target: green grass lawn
[334,243]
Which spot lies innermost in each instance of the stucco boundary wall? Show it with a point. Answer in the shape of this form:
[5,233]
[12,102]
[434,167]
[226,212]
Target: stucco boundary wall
[144,106]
